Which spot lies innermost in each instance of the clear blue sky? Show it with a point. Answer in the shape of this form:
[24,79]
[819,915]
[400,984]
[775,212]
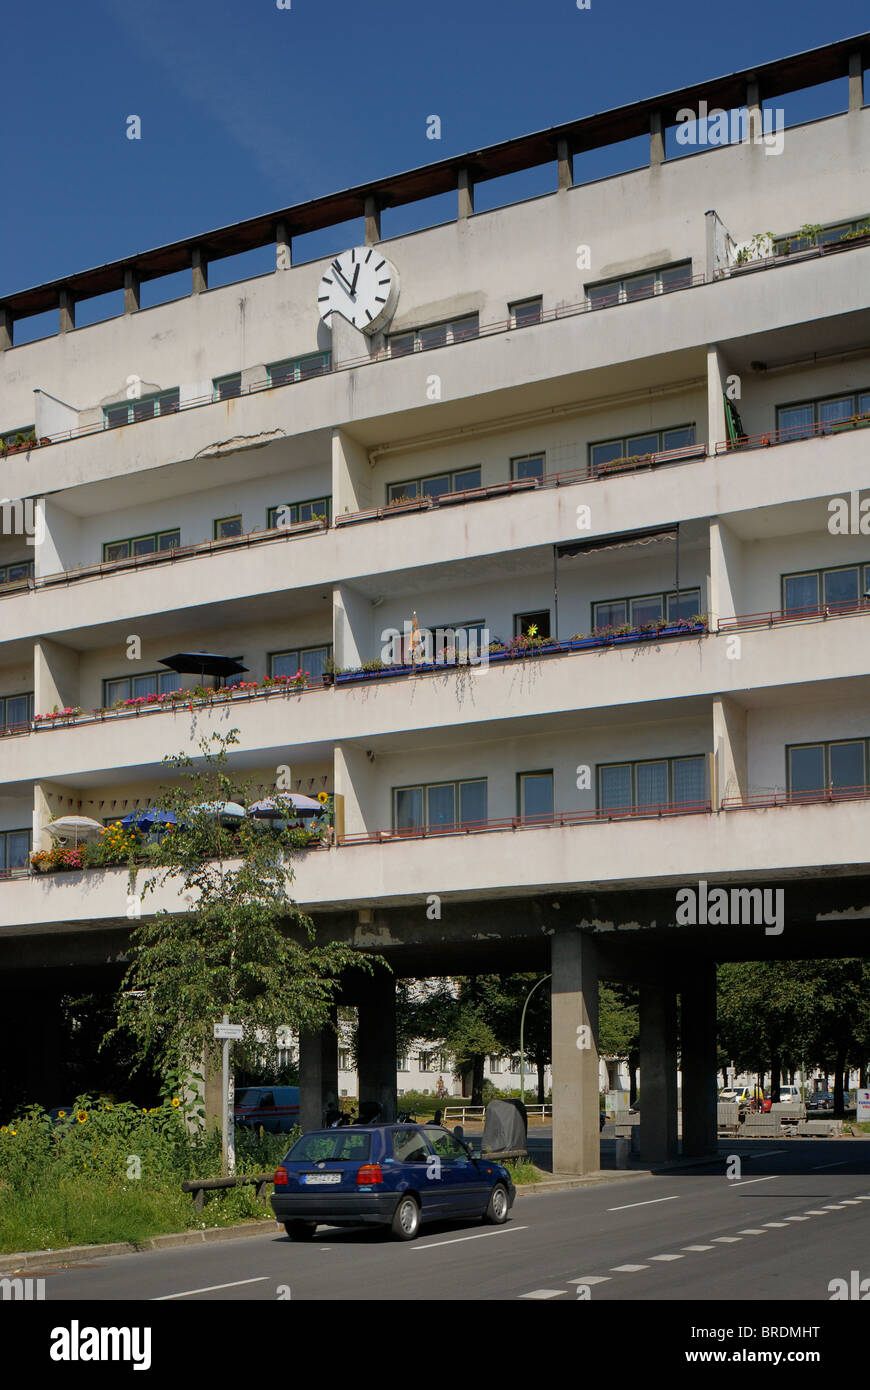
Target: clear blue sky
[246,107]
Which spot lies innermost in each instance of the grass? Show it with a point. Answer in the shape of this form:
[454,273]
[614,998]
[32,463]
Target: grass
[525,1172]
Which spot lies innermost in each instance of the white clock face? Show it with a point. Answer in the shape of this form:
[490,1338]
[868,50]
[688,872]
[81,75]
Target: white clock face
[362,286]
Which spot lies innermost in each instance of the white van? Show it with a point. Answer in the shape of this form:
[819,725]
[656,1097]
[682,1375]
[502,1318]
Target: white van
[789,1095]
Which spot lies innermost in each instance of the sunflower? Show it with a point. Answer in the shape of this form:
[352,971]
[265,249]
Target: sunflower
[4,1129]
[61,1114]
[323,797]
[13,1131]
[82,1117]
[176,1102]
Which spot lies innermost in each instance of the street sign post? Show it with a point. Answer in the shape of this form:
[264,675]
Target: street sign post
[227,1032]
[863,1106]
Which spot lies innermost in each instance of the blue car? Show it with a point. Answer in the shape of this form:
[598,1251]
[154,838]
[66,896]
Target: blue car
[395,1175]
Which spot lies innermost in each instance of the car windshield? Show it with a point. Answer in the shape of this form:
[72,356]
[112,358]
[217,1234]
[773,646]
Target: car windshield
[240,1099]
[341,1145]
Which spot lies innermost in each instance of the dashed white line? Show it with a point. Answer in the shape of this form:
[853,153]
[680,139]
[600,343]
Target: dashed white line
[628,1269]
[817,1168]
[591,1279]
[211,1288]
[834,1206]
[543,1293]
[779,1224]
[666,1257]
[753,1231]
[850,1201]
[651,1203]
[797,1218]
[747,1182]
[726,1240]
[816,1212]
[459,1239]
[697,1247]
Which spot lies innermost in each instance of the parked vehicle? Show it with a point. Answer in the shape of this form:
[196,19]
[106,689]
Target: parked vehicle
[391,1175]
[820,1100]
[276,1108]
[744,1096]
[789,1095]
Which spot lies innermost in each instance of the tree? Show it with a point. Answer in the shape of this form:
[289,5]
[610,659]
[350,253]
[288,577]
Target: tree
[237,944]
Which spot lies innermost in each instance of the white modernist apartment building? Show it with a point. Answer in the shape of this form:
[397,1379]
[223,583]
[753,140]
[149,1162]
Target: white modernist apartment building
[612,437]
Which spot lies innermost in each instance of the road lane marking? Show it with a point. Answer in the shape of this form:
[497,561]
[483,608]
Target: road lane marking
[767,1153]
[591,1279]
[747,1182]
[697,1247]
[628,1269]
[797,1218]
[753,1231]
[850,1201]
[212,1288]
[651,1203]
[666,1257]
[816,1212]
[544,1293]
[834,1206]
[726,1240]
[817,1168]
[775,1224]
[459,1239]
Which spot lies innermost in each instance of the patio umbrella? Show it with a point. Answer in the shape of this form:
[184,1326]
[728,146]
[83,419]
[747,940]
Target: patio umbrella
[281,805]
[147,819]
[75,828]
[203,664]
[220,810]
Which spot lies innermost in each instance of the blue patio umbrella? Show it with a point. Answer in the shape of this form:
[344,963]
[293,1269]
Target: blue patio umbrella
[148,819]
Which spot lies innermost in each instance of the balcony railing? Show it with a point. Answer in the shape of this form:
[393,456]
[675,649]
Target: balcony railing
[778,617]
[809,253]
[792,434]
[563,311]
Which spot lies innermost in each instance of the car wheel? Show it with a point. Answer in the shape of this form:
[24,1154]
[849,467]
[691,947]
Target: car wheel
[300,1230]
[406,1219]
[498,1206]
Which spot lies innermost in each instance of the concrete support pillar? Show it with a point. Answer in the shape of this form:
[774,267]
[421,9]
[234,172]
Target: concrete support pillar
[373,220]
[465,194]
[131,291]
[199,266]
[574,999]
[7,334]
[354,780]
[698,1057]
[856,82]
[55,676]
[67,311]
[753,107]
[377,1042]
[717,381]
[656,138]
[318,1073]
[658,1073]
[729,749]
[351,473]
[283,247]
[723,581]
[566,165]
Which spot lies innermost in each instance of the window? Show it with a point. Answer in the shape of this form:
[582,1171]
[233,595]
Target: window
[515,1065]
[428,807]
[435,486]
[528,466]
[15,711]
[434,335]
[293,513]
[409,1146]
[842,588]
[19,569]
[835,766]
[225,387]
[426,1061]
[298,368]
[540,621]
[827,236]
[132,687]
[823,415]
[652,783]
[14,849]
[141,545]
[639,445]
[448,1148]
[648,608]
[344,1059]
[535,795]
[640,286]
[141,408]
[226,527]
[525,312]
[402,1062]
[310,659]
[494,1064]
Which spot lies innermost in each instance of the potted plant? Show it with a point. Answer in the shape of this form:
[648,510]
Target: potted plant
[330,671]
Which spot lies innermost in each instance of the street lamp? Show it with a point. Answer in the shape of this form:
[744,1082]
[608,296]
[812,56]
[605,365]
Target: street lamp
[522,1044]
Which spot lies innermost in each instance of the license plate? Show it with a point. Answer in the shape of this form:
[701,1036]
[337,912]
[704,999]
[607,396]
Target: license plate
[320,1179]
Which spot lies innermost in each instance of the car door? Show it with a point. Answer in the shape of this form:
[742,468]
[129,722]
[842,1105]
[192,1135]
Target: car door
[419,1168]
[464,1190]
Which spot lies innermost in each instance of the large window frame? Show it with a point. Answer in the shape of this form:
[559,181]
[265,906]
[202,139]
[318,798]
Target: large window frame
[293,369]
[321,651]
[165,682]
[669,607]
[529,466]
[6,722]
[23,570]
[605,451]
[141,408]
[855,403]
[651,808]
[415,489]
[831,233]
[425,789]
[524,313]
[225,388]
[535,817]
[828,789]
[823,603]
[461,329]
[158,537]
[5,866]
[623,289]
[299,512]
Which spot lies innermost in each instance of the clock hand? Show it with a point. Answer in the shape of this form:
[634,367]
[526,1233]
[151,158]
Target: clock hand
[355,278]
[339,274]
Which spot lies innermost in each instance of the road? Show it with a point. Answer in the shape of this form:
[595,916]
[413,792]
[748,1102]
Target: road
[796,1218]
